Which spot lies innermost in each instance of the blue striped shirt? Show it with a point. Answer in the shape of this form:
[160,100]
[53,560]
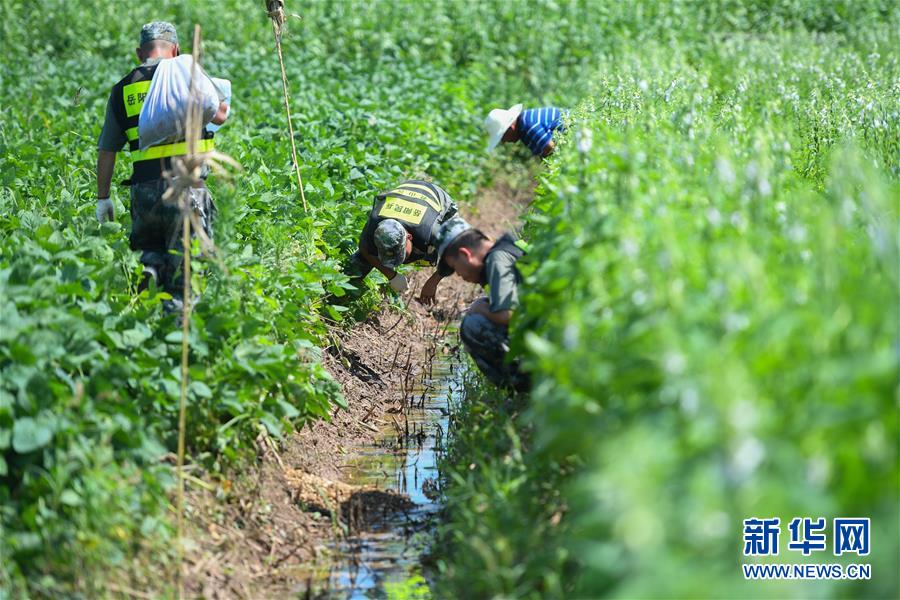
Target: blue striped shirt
[536,126]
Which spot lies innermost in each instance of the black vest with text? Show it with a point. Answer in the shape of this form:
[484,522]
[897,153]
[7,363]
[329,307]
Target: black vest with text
[421,207]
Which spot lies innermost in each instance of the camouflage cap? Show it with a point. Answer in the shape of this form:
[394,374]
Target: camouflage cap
[390,240]
[158,30]
[450,230]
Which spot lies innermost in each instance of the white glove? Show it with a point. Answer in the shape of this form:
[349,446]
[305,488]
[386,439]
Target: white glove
[399,283]
[105,210]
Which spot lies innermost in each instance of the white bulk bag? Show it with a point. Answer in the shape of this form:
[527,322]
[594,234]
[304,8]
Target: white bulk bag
[165,108]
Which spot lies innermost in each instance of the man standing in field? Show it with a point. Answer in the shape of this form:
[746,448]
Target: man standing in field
[533,127]
[155,224]
[403,227]
[485,327]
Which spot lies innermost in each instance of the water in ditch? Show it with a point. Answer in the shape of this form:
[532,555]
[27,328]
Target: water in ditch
[387,551]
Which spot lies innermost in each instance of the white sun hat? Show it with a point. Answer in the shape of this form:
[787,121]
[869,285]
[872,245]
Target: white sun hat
[498,121]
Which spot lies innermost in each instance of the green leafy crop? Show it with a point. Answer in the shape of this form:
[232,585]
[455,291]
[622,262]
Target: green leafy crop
[710,318]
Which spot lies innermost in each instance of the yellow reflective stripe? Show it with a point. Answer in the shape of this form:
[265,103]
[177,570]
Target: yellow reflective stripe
[407,194]
[166,150]
[131,133]
[418,186]
[133,96]
[429,197]
[402,210]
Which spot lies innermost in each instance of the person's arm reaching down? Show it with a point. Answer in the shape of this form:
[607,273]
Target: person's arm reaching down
[112,138]
[429,288]
[548,149]
[397,280]
[106,164]
[373,260]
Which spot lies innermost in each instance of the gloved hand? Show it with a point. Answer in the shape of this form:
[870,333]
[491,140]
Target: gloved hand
[399,283]
[105,210]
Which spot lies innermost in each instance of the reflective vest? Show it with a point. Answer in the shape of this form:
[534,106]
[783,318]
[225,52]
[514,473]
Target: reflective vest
[421,207]
[128,98]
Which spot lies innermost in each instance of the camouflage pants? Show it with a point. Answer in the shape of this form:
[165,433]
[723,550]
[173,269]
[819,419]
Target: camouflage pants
[156,228]
[488,344]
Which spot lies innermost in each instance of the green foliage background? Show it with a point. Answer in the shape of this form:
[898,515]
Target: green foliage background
[384,90]
[711,320]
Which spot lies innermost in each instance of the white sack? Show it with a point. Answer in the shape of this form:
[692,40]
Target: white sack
[165,108]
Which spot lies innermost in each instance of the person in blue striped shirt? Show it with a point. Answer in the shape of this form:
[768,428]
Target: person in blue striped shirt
[534,127]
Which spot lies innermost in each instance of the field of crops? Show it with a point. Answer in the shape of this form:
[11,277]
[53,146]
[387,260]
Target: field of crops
[712,318]
[710,306]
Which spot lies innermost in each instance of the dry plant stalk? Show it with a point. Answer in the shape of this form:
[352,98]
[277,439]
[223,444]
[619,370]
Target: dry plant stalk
[275,11]
[182,196]
[185,174]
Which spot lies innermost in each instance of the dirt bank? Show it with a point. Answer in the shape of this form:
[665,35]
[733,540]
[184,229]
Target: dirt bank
[262,534]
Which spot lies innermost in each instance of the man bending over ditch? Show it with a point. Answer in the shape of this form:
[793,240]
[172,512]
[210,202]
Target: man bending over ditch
[485,326]
[403,228]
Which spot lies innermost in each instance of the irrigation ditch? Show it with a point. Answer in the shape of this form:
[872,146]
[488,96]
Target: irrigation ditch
[344,508]
[388,524]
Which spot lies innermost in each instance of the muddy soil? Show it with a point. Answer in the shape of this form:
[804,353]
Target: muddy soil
[262,534]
